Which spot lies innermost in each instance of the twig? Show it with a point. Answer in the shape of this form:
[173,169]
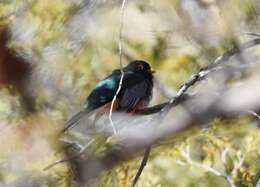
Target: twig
[223,155]
[157,108]
[121,65]
[186,154]
[253,34]
[72,157]
[238,163]
[227,176]
[143,164]
[70,144]
[254,114]
[201,75]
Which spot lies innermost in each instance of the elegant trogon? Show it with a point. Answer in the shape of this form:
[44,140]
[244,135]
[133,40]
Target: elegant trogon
[135,92]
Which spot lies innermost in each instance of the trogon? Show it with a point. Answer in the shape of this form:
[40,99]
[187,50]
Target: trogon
[135,92]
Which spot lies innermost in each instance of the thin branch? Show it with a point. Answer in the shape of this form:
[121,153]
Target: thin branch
[223,155]
[203,73]
[253,34]
[143,164]
[186,154]
[81,152]
[227,176]
[152,110]
[238,163]
[121,64]
[157,108]
[230,181]
[254,114]
[70,144]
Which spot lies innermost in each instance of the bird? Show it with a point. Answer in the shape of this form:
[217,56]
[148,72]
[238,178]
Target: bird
[135,92]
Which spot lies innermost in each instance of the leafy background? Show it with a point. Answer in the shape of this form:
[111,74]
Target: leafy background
[72,44]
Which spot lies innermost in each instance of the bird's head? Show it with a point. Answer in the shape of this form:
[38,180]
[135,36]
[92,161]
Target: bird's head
[139,66]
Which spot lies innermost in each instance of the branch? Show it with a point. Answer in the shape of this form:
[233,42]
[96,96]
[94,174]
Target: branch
[121,65]
[81,152]
[228,177]
[202,74]
[209,69]
[186,154]
[254,114]
[157,108]
[143,164]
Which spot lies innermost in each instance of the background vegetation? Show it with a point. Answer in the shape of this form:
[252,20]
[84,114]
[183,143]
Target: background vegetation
[69,45]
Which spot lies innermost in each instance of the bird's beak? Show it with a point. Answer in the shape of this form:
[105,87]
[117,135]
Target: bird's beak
[152,71]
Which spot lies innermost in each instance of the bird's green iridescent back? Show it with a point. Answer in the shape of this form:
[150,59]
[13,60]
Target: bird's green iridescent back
[103,92]
[134,87]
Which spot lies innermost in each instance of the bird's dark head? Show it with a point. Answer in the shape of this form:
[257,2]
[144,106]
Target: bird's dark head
[139,66]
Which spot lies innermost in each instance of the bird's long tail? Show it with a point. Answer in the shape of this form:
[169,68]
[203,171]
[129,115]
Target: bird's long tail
[75,120]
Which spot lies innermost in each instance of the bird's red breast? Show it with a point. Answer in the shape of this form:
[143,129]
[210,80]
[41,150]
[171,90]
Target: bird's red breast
[116,107]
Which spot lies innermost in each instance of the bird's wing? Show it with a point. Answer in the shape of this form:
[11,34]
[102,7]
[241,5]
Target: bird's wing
[74,120]
[133,94]
[106,89]
[134,88]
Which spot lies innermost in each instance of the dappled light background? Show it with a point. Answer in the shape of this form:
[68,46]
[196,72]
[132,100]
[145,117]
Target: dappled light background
[69,45]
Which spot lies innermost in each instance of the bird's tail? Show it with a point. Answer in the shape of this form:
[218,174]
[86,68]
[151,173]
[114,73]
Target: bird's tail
[75,120]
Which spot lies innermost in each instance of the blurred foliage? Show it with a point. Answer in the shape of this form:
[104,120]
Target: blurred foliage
[71,44]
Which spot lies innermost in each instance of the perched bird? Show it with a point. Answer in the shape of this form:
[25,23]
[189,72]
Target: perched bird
[135,92]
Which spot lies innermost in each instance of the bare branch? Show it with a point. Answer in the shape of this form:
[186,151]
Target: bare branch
[223,155]
[227,176]
[81,152]
[203,73]
[159,107]
[253,34]
[238,163]
[121,65]
[186,154]
[210,68]
[254,114]
[143,164]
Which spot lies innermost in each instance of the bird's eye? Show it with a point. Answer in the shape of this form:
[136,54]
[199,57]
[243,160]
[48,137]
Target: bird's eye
[140,66]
